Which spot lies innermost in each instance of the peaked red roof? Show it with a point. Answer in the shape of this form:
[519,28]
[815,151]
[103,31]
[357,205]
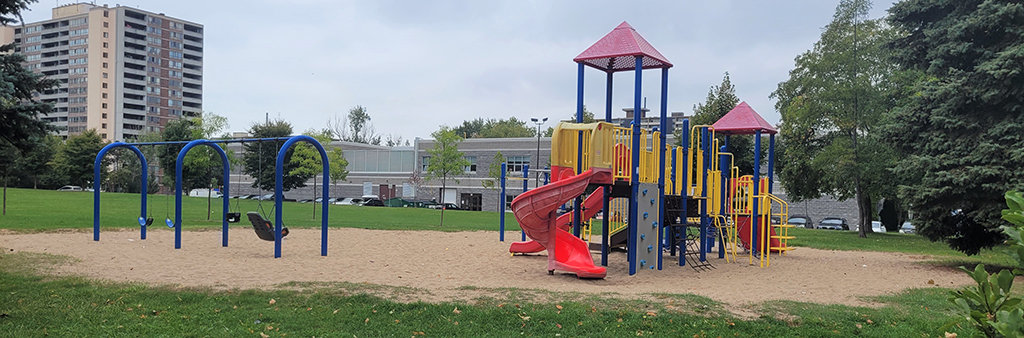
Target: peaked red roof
[743,120]
[617,51]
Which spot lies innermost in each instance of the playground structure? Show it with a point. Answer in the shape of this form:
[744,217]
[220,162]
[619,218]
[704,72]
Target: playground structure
[651,193]
[226,216]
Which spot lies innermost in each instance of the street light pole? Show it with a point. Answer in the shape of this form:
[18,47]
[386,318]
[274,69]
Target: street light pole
[538,122]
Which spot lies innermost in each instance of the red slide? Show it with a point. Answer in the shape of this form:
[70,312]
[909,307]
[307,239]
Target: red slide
[590,208]
[536,209]
[743,223]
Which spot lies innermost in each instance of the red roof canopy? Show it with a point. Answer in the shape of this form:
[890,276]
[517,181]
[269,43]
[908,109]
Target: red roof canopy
[743,120]
[617,51]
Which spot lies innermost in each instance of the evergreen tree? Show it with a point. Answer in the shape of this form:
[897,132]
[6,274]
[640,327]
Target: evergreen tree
[19,109]
[961,129]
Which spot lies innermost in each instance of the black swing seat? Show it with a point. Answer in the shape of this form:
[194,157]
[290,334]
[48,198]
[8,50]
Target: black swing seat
[264,228]
[233,217]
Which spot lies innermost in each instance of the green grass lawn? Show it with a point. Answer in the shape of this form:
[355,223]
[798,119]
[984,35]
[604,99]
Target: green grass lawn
[33,303]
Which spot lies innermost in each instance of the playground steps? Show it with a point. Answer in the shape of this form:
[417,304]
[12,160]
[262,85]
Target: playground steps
[783,237]
[693,255]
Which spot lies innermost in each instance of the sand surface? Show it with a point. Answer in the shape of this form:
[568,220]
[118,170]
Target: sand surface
[442,264]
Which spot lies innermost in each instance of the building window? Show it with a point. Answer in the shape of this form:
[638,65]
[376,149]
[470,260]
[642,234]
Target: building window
[104,75]
[105,45]
[508,201]
[104,135]
[104,126]
[516,163]
[426,163]
[104,85]
[105,25]
[104,65]
[471,168]
[104,107]
[106,35]
[104,54]
[104,114]
[106,14]
[104,95]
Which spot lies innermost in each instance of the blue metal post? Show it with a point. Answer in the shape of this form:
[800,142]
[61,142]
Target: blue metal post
[279,187]
[635,173]
[686,163]
[177,188]
[607,193]
[501,205]
[526,187]
[723,166]
[706,149]
[97,166]
[755,224]
[576,203]
[661,156]
[771,162]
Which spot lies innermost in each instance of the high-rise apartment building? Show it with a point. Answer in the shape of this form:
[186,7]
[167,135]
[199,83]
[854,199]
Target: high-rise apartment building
[122,71]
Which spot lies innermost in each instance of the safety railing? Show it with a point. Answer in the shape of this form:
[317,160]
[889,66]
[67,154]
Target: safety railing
[619,212]
[623,161]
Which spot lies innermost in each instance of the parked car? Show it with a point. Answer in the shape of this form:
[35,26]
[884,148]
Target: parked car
[349,201]
[306,200]
[876,226]
[801,221]
[373,202]
[321,200]
[204,193]
[267,197]
[446,206]
[70,188]
[907,228]
[833,223]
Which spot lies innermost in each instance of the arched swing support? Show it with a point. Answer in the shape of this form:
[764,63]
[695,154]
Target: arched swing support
[96,187]
[279,187]
[177,189]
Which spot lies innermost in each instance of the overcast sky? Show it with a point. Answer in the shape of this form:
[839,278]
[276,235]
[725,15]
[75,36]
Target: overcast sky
[416,65]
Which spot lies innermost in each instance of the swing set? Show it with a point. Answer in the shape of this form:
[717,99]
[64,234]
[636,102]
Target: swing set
[265,230]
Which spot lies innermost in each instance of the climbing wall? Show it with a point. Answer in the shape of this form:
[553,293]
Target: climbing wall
[646,247]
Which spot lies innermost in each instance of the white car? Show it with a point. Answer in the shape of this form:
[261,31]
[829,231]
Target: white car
[70,188]
[349,201]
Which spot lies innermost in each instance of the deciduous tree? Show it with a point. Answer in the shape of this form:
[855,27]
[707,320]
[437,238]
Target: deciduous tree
[446,161]
[831,105]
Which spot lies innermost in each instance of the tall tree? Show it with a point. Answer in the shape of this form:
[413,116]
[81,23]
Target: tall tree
[261,157]
[201,167]
[354,127]
[831,105]
[19,108]
[446,161]
[961,130]
[721,99]
[494,128]
[75,160]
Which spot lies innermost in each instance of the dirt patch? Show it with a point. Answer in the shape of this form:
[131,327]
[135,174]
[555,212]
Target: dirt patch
[471,266]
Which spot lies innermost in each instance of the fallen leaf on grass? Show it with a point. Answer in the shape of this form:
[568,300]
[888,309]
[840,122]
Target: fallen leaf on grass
[272,301]
[366,321]
[558,306]
[418,333]
[264,335]
[559,325]
[456,311]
